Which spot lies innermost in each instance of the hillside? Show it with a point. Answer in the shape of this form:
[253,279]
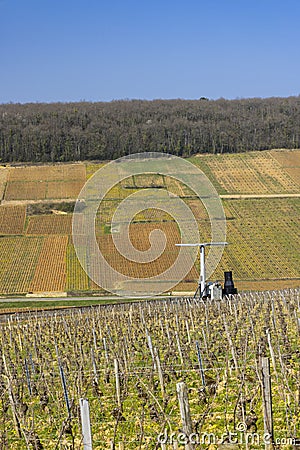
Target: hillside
[261,197]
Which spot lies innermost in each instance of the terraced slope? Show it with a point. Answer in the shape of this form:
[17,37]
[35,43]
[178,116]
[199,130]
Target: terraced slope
[270,172]
[263,230]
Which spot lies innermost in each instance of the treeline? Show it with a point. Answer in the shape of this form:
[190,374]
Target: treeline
[40,132]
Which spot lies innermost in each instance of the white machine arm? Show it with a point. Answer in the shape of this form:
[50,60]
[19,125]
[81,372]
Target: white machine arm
[202,279]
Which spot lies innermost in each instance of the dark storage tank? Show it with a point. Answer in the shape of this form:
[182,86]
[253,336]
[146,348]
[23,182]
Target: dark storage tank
[229,288]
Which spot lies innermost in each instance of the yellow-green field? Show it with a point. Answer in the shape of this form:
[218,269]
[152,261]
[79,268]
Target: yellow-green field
[128,359]
[263,230]
[254,172]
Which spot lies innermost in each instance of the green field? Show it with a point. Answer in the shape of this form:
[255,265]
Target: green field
[149,347]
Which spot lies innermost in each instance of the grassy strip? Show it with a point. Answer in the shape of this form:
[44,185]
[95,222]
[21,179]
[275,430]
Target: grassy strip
[42,304]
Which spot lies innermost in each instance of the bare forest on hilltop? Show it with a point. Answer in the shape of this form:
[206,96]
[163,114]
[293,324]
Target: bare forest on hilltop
[53,132]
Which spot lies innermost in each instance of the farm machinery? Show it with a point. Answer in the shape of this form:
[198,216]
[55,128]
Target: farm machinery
[207,289]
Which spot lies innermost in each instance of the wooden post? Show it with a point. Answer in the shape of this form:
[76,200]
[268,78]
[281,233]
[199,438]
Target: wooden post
[185,413]
[149,342]
[231,346]
[200,364]
[205,343]
[85,424]
[105,349]
[94,366]
[271,350]
[188,331]
[94,337]
[160,373]
[11,399]
[179,347]
[267,402]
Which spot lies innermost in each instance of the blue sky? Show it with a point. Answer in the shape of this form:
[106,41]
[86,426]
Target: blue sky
[98,50]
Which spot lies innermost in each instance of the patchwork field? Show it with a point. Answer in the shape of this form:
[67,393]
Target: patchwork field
[130,360]
[50,224]
[19,257]
[252,172]
[37,254]
[139,236]
[290,162]
[263,236]
[12,219]
[77,279]
[62,181]
[3,181]
[57,172]
[51,272]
